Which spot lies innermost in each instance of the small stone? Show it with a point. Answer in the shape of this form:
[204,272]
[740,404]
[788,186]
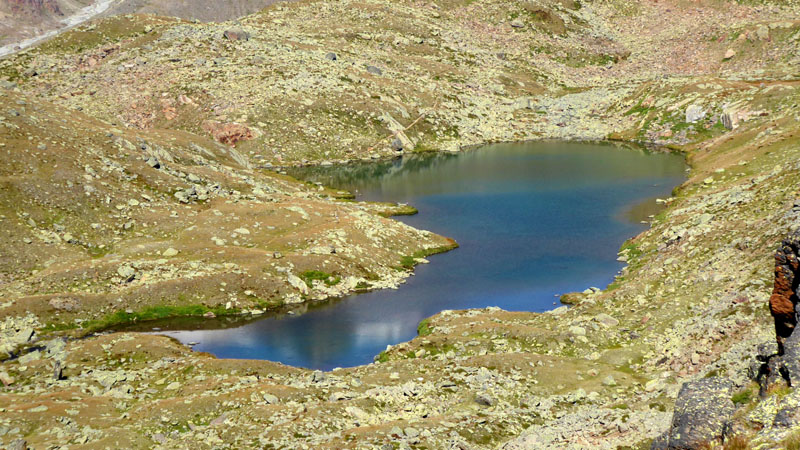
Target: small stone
[577,396]
[484,399]
[762,32]
[652,385]
[30,357]
[517,23]
[577,331]
[6,379]
[729,54]
[127,273]
[318,376]
[169,252]
[374,70]
[236,34]
[153,162]
[173,386]
[609,381]
[330,56]
[411,432]
[58,371]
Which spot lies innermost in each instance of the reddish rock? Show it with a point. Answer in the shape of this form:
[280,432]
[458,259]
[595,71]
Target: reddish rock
[228,133]
[783,301]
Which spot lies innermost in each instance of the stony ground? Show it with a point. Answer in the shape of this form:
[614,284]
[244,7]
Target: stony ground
[123,199]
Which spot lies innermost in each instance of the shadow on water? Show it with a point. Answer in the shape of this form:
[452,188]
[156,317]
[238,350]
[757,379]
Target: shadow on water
[533,220]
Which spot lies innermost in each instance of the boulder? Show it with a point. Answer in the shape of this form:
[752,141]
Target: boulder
[695,113]
[127,273]
[298,284]
[236,34]
[484,399]
[703,413]
[58,370]
[23,336]
[397,145]
[730,119]
[153,162]
[762,32]
[729,54]
[67,304]
[401,140]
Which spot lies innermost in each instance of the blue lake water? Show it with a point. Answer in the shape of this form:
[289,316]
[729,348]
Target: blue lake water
[533,220]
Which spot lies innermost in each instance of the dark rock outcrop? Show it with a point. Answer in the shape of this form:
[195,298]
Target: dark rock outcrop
[783,302]
[703,413]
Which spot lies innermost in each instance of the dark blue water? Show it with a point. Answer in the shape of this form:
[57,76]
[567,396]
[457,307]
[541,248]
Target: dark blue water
[533,220]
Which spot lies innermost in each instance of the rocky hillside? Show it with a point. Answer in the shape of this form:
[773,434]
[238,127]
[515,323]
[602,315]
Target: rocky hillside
[205,11]
[36,8]
[21,19]
[141,179]
[330,81]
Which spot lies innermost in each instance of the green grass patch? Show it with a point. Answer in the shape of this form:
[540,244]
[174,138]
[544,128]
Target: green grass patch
[408,262]
[638,109]
[742,397]
[310,275]
[424,328]
[400,210]
[154,313]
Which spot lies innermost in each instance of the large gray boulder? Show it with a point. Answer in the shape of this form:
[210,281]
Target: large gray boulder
[703,412]
[695,113]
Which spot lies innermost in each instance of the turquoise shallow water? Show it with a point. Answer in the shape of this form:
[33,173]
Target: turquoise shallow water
[534,220]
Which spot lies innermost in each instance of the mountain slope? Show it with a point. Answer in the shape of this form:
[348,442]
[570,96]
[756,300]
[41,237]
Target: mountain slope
[168,135]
